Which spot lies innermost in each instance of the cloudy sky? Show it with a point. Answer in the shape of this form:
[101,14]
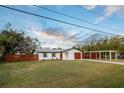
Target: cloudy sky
[55,34]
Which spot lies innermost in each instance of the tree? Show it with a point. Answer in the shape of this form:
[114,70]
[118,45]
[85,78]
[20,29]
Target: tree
[105,43]
[15,40]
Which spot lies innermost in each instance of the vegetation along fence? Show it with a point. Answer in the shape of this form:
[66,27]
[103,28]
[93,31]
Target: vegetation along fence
[19,58]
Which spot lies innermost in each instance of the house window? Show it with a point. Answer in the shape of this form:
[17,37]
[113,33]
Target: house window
[44,54]
[53,55]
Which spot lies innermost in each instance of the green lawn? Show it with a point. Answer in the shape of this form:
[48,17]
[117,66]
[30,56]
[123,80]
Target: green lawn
[61,74]
[119,60]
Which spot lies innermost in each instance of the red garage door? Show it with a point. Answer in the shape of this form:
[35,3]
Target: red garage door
[77,55]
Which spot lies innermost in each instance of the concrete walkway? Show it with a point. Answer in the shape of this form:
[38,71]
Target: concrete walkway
[111,62]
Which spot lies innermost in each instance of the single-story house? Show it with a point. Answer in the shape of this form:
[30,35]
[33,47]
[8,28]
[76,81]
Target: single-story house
[62,54]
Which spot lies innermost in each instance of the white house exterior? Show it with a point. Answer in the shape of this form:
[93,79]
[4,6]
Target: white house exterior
[68,54]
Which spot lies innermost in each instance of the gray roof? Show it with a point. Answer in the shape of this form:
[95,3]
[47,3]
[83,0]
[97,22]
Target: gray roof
[50,50]
[53,50]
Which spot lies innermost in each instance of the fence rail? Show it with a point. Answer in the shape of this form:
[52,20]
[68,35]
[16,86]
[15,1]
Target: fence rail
[19,58]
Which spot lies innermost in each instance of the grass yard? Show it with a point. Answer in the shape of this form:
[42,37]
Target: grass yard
[61,74]
[119,60]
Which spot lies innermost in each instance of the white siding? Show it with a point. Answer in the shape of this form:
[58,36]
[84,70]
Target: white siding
[65,56]
[49,56]
[57,55]
[69,55]
[40,56]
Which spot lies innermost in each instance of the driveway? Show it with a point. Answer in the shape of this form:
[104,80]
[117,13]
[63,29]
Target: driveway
[111,62]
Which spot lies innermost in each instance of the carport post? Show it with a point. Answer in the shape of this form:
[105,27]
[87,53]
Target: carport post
[90,55]
[99,55]
[81,55]
[105,56]
[116,56]
[96,54]
[110,55]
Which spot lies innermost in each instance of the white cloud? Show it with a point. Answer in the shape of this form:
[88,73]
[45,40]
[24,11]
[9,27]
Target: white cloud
[121,13]
[53,36]
[56,34]
[89,7]
[108,11]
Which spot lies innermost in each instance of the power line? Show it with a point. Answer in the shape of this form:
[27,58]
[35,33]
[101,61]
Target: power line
[45,17]
[82,20]
[110,19]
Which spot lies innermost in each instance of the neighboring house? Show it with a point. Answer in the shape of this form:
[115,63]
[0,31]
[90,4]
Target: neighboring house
[67,54]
